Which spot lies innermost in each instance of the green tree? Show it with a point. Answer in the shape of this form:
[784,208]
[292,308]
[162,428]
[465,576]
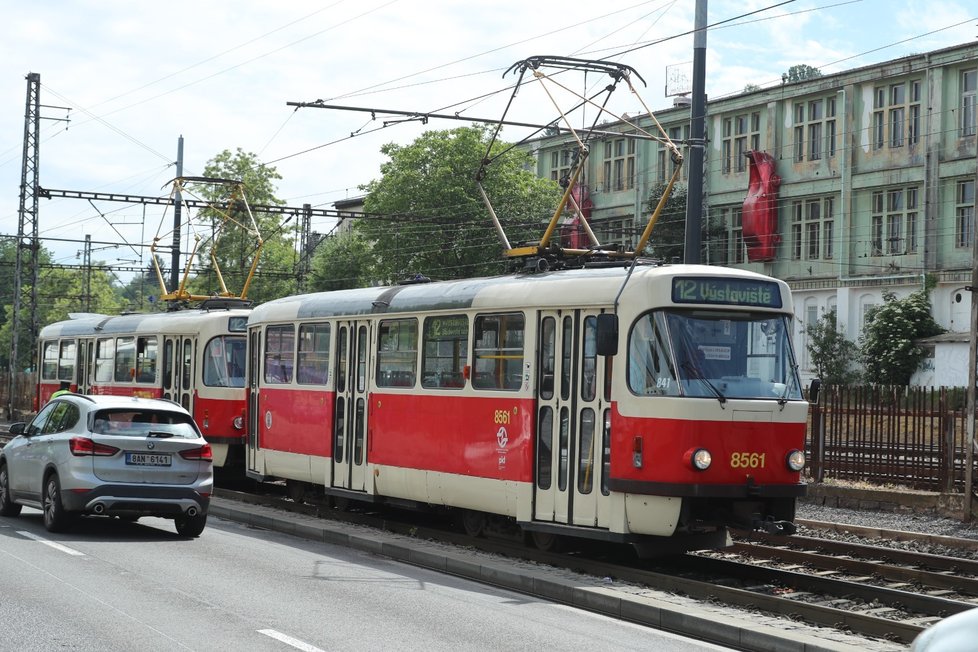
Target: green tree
[237,243]
[342,261]
[890,354]
[668,239]
[750,88]
[801,72]
[437,224]
[832,353]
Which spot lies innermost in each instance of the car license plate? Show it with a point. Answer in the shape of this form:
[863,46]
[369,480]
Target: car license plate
[148,459]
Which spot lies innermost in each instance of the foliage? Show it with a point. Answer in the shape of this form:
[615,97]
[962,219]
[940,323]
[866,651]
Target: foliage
[436,223]
[890,355]
[801,72]
[237,244]
[342,261]
[750,88]
[59,292]
[668,239]
[832,354]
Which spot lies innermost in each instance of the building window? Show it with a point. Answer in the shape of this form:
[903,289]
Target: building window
[969,82]
[727,146]
[913,117]
[678,135]
[911,220]
[796,212]
[813,228]
[619,164]
[560,162]
[894,222]
[729,245]
[814,120]
[828,227]
[896,115]
[964,211]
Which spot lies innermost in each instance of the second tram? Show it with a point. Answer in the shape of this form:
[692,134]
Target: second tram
[194,357]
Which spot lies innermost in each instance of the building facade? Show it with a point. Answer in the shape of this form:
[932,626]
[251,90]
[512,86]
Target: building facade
[877,169]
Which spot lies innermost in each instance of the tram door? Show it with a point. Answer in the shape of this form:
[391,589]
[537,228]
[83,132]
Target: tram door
[350,422]
[178,371]
[86,355]
[254,356]
[571,447]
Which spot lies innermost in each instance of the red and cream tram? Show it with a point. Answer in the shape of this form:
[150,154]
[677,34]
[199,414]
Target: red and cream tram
[194,357]
[655,406]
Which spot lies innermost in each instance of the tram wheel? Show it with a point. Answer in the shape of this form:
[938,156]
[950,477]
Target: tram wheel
[545,541]
[474,523]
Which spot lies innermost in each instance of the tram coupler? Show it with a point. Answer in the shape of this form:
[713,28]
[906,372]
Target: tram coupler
[777,528]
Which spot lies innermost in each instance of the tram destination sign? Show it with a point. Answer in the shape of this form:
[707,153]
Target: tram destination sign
[726,291]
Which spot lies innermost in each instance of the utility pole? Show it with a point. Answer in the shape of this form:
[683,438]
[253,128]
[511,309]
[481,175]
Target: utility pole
[694,194]
[87,266]
[26,267]
[177,202]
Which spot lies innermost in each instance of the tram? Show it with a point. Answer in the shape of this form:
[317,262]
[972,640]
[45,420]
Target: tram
[194,357]
[656,405]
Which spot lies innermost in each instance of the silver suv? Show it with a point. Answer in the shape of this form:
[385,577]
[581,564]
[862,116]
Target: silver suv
[111,456]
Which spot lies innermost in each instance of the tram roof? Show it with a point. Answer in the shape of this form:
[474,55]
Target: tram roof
[576,287]
[162,322]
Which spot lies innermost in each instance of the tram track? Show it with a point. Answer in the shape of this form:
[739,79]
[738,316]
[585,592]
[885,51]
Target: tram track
[887,594]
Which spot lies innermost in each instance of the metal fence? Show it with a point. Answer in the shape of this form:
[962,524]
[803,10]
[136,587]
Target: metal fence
[913,437]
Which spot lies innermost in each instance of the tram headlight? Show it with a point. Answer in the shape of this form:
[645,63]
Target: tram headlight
[238,423]
[699,458]
[795,460]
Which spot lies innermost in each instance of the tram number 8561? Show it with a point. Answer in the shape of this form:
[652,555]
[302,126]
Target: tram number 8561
[747,460]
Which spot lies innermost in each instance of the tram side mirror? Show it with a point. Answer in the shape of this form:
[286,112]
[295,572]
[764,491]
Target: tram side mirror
[606,334]
[813,391]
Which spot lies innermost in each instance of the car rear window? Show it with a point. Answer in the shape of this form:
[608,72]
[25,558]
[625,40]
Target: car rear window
[143,422]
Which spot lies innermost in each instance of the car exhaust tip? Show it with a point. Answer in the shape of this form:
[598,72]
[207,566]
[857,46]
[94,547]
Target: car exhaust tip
[191,512]
[99,508]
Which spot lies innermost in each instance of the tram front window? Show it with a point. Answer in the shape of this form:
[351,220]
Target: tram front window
[712,354]
[224,362]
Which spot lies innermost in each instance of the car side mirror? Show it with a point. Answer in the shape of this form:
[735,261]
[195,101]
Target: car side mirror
[17,428]
[606,334]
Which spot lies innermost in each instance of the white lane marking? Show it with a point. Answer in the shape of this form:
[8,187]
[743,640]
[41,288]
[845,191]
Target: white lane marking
[288,640]
[53,544]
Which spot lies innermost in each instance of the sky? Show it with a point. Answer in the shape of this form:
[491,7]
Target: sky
[121,81]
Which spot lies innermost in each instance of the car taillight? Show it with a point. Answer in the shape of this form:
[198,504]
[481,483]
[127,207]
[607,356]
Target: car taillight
[82,446]
[204,454]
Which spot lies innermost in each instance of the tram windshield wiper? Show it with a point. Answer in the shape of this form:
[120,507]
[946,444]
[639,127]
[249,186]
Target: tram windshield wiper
[788,386]
[694,373]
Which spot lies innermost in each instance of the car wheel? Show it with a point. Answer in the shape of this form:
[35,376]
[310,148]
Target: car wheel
[7,506]
[190,526]
[56,519]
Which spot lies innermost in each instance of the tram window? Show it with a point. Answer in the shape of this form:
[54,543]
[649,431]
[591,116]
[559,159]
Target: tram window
[650,369]
[49,361]
[397,353]
[445,351]
[313,357]
[224,361]
[279,351]
[563,440]
[146,351]
[66,363]
[548,345]
[341,358]
[545,436]
[125,359]
[498,351]
[566,356]
[104,359]
[585,453]
[188,360]
[589,360]
[167,364]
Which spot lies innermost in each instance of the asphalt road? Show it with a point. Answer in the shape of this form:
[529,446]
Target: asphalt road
[109,585]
